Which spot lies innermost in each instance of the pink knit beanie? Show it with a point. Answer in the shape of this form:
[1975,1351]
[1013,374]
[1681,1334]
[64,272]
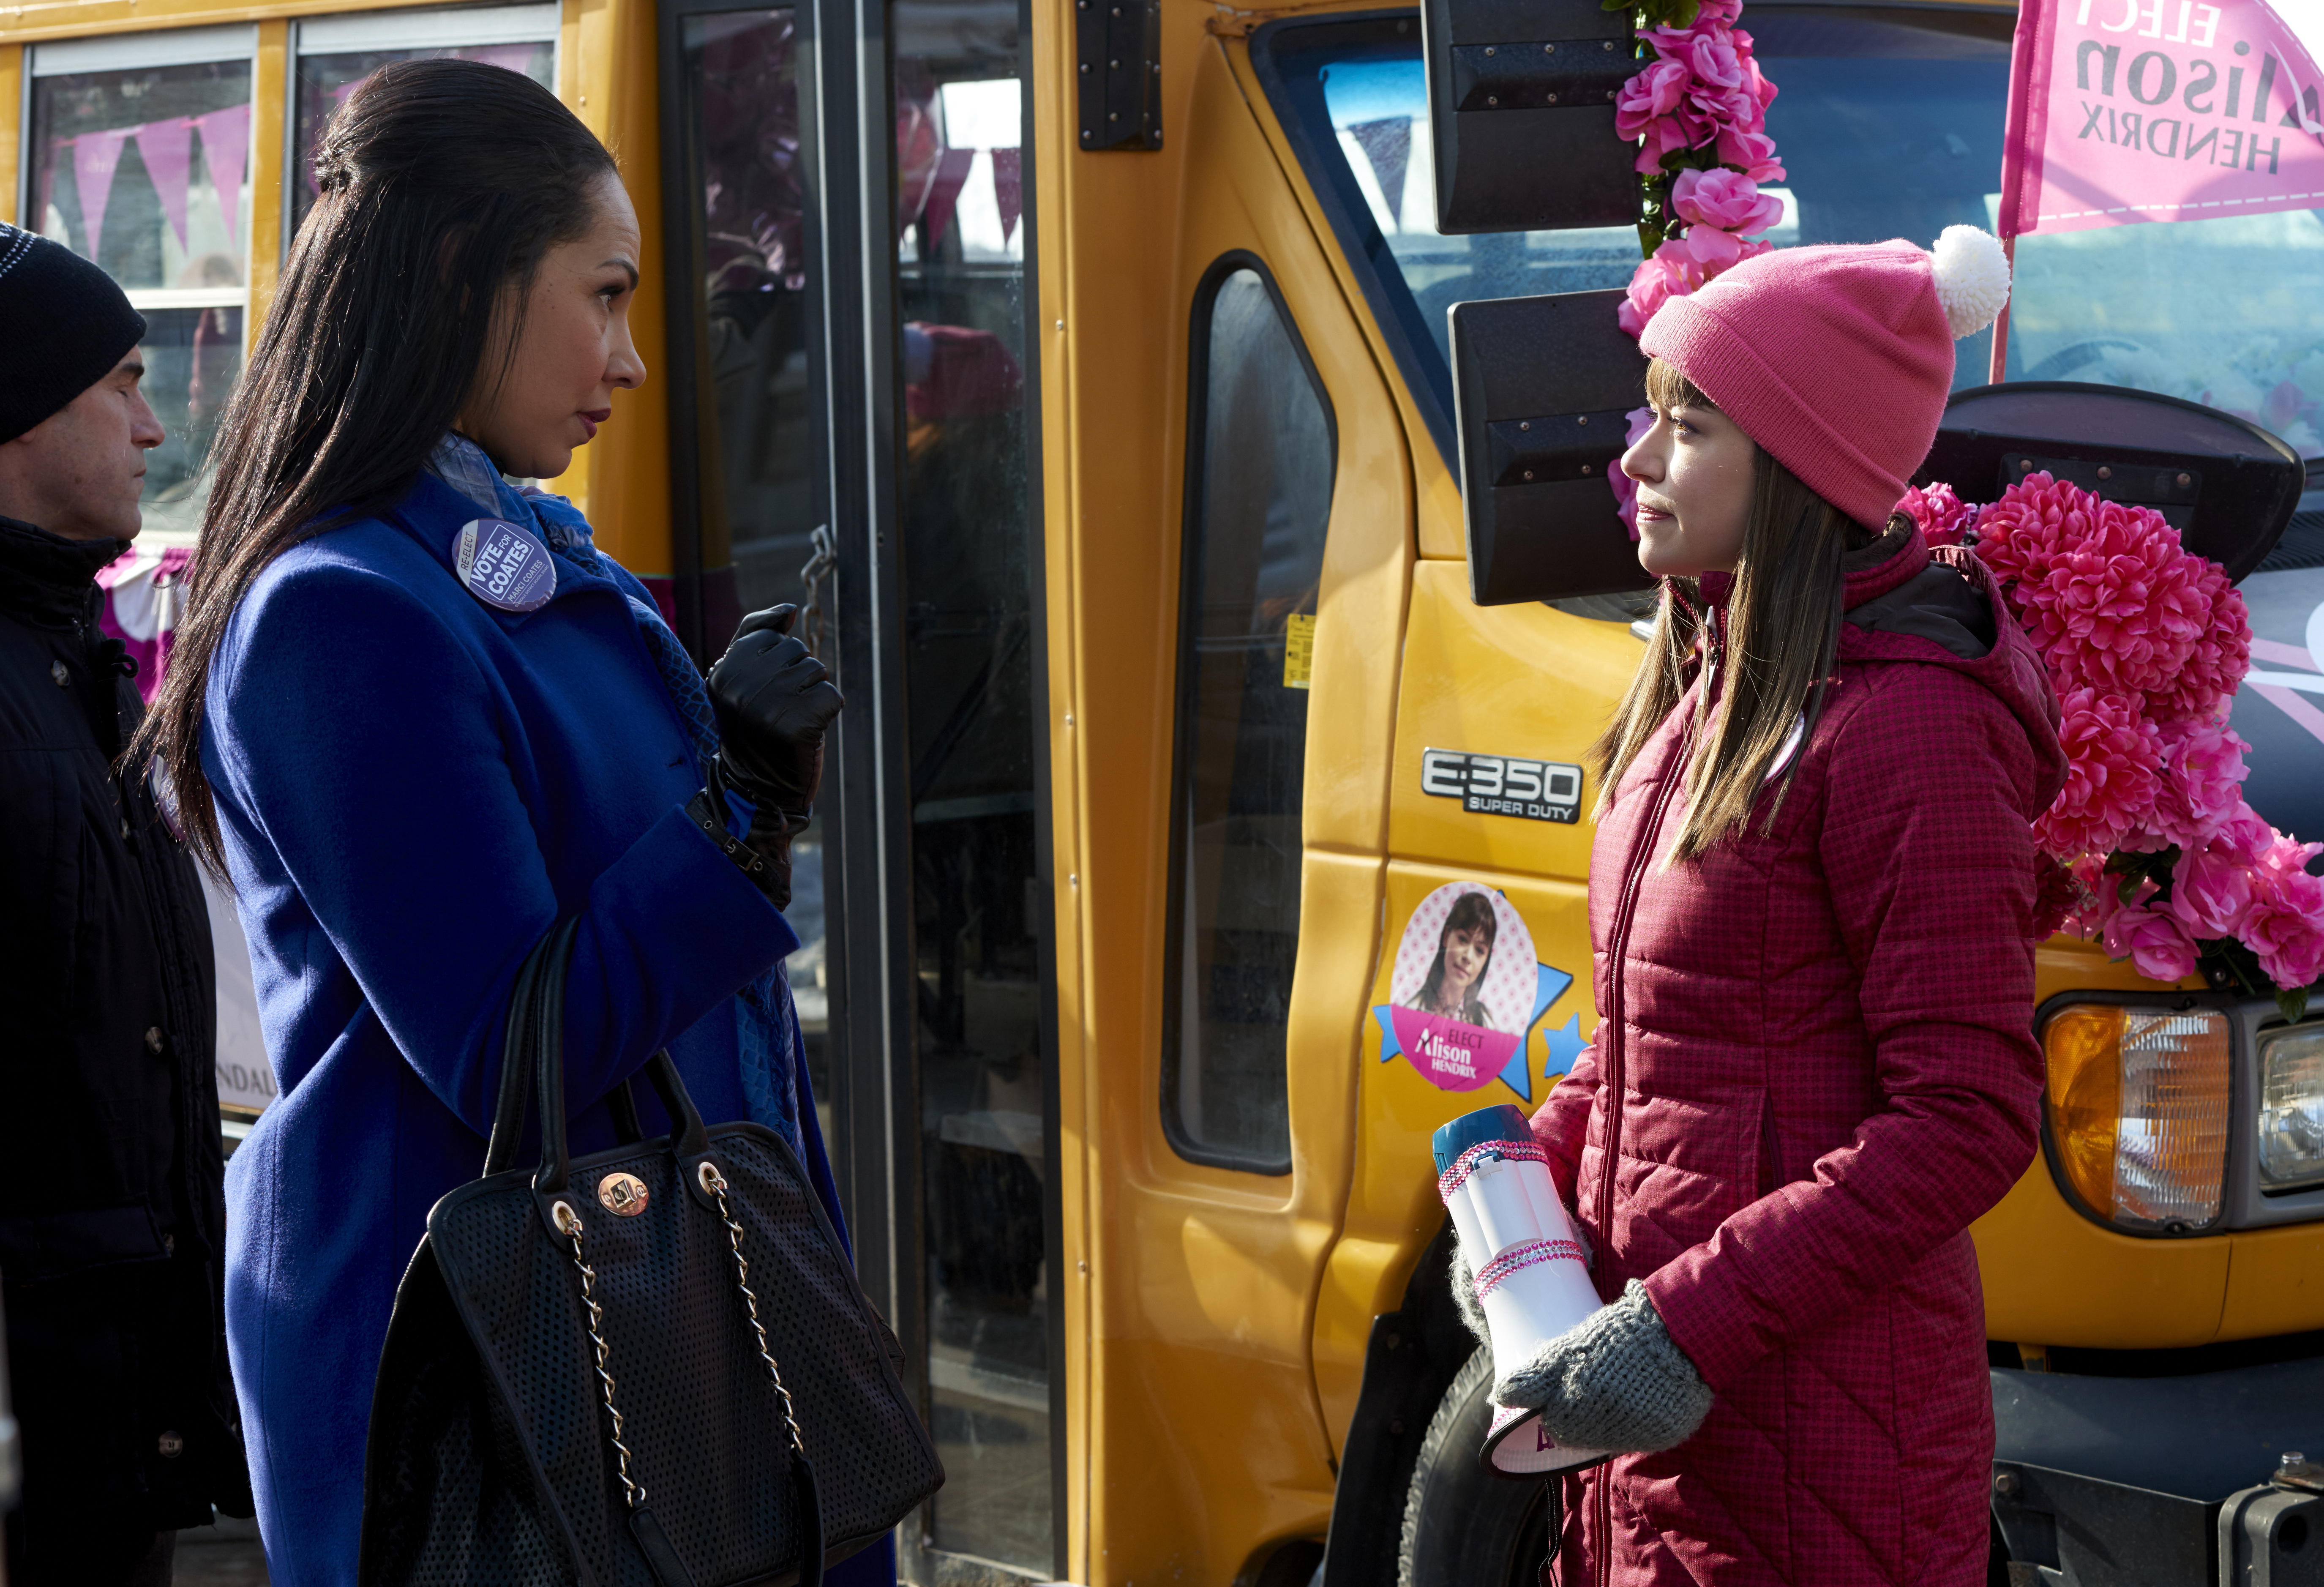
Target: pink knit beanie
[1838,359]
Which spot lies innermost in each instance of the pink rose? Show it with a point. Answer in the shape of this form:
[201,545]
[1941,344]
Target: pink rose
[2244,835]
[1653,92]
[1942,517]
[2211,891]
[2285,927]
[1752,151]
[2153,941]
[1726,200]
[2202,768]
[2288,856]
[1712,53]
[1671,272]
[1711,248]
[1753,78]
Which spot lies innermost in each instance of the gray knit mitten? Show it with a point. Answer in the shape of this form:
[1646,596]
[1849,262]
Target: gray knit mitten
[1465,1282]
[1464,1295]
[1614,1382]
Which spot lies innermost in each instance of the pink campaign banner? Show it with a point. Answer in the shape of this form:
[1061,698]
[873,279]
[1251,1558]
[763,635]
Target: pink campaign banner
[2136,110]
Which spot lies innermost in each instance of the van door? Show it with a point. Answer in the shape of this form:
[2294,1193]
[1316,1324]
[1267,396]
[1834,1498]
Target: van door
[1232,640]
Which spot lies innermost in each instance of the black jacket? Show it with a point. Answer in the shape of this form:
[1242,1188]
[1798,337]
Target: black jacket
[113,1229]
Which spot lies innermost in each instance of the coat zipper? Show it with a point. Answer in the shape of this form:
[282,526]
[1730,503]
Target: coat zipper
[1617,1077]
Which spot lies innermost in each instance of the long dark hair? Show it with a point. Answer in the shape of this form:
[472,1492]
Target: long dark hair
[1782,619]
[444,183]
[1471,911]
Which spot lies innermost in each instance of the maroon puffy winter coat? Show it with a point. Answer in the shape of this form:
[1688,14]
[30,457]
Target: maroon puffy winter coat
[1821,1044]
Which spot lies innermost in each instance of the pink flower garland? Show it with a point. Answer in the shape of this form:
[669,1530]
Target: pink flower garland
[2146,643]
[1700,113]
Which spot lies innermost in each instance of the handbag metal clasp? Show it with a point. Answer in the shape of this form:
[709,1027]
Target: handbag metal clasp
[625,1195]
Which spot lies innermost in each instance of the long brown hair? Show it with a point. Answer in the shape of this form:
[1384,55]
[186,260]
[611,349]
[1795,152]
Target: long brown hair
[444,183]
[1783,620]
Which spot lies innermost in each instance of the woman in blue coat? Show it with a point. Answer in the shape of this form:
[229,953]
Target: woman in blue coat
[418,718]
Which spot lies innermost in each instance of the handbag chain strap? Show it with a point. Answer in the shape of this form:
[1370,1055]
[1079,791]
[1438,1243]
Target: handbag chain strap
[714,1183]
[570,1221]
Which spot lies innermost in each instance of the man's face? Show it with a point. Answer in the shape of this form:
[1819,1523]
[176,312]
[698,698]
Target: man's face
[79,472]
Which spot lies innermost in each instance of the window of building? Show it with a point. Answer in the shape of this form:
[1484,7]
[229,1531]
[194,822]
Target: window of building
[337,52]
[139,159]
[1258,495]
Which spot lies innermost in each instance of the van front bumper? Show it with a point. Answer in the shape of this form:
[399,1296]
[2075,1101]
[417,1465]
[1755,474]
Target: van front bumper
[2158,1482]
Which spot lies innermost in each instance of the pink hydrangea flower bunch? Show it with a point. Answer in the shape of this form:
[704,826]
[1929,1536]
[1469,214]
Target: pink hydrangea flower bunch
[2146,643]
[2112,600]
[1699,112]
[2112,755]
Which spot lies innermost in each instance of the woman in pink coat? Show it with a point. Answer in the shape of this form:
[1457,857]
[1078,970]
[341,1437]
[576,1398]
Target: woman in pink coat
[1812,900]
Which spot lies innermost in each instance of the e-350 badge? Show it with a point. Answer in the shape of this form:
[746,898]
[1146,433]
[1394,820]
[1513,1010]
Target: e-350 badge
[1502,785]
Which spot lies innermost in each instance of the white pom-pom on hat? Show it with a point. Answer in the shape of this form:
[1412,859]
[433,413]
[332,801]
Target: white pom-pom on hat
[1972,278]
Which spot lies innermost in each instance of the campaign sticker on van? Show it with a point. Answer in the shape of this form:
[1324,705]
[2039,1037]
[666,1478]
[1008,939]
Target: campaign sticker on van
[1504,785]
[1466,992]
[503,567]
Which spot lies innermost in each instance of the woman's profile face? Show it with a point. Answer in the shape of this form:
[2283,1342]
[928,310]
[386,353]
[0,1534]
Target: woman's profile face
[573,351]
[1694,473]
[1466,949]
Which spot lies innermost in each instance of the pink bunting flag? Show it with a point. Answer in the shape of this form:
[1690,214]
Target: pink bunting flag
[225,150]
[168,147]
[2134,110]
[952,174]
[95,157]
[1009,187]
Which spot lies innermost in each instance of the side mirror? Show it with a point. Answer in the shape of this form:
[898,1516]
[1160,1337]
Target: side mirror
[1521,113]
[1542,390]
[2227,485]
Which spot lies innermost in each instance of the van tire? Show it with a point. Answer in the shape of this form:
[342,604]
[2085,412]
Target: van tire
[1464,1527]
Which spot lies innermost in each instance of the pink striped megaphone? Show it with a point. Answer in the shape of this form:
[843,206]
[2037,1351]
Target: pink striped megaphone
[1531,1279]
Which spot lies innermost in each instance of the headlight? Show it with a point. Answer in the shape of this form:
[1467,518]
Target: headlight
[2137,1104]
[2291,1108]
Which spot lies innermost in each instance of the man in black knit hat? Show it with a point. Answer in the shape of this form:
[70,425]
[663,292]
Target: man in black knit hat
[113,1239]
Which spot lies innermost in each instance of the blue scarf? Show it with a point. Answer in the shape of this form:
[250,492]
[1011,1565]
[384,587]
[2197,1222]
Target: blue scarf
[765,1026]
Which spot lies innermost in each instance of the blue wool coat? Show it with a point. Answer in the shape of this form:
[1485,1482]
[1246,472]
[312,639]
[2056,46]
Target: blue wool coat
[414,785]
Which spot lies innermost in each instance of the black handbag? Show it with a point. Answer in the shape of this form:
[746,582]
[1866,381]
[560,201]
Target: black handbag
[651,1367]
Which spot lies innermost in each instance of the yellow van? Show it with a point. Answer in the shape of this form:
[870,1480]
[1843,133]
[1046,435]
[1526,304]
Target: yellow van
[1084,365]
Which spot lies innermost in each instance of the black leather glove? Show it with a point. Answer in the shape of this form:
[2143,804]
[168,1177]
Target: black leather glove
[774,703]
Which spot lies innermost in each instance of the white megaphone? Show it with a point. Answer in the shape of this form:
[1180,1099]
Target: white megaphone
[1531,1278]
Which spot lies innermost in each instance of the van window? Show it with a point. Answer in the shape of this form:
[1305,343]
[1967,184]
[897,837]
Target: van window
[1259,494]
[1890,124]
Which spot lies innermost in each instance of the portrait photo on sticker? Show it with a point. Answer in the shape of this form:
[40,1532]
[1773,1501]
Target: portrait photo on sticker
[1468,959]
